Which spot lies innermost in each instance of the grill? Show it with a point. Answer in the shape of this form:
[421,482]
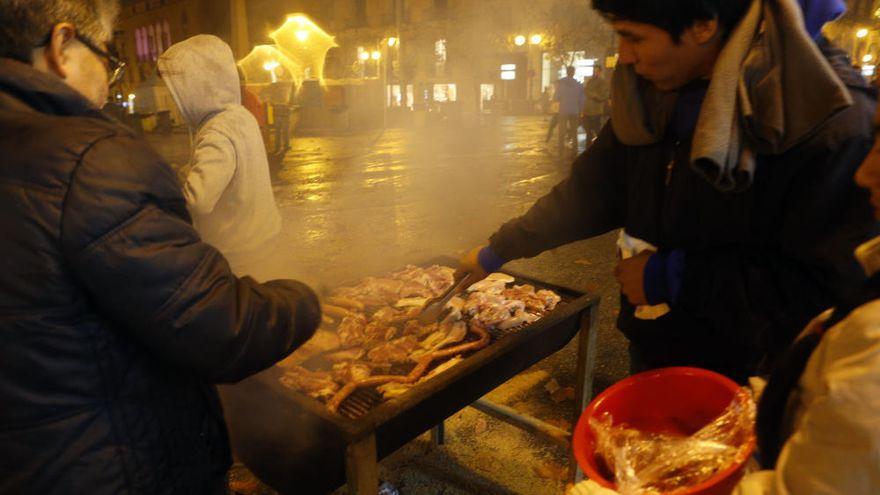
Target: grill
[296,445]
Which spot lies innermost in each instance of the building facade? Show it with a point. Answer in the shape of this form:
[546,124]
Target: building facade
[147,28]
[471,53]
[466,55]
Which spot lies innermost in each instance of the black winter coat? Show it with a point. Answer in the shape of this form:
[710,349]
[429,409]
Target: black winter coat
[758,265]
[115,318]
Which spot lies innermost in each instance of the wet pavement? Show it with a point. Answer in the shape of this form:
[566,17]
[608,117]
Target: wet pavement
[364,204]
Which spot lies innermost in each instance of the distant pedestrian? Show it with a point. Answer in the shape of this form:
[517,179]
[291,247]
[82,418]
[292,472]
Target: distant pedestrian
[251,101]
[597,96]
[570,95]
[553,110]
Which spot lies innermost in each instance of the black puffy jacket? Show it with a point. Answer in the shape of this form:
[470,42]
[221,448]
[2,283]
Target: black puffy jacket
[115,319]
[758,264]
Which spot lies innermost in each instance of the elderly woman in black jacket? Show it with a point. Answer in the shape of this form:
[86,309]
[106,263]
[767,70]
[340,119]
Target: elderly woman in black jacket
[115,318]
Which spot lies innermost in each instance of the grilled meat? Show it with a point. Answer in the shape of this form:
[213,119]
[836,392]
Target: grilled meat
[378,331]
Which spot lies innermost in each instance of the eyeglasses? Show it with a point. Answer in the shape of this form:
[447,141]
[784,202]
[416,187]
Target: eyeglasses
[115,66]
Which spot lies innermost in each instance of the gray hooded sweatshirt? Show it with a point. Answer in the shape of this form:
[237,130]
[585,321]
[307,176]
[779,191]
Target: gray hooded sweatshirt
[228,189]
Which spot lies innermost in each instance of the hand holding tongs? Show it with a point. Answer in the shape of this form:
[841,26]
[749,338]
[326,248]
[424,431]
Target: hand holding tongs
[434,308]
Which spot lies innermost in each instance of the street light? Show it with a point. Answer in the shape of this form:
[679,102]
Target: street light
[520,40]
[537,39]
[862,33]
[270,67]
[377,55]
[392,42]
[363,55]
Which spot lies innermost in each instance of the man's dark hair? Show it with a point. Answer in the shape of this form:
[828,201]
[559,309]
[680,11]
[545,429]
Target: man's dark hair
[25,24]
[674,16]
[570,70]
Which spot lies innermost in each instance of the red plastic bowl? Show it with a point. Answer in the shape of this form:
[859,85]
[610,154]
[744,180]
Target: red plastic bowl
[677,401]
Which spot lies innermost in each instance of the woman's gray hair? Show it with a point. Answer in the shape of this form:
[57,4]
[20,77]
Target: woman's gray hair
[25,24]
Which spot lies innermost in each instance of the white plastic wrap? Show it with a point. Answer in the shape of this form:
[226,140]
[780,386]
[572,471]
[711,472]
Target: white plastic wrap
[651,464]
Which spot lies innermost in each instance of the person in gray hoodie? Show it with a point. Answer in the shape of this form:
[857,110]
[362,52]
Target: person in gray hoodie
[228,188]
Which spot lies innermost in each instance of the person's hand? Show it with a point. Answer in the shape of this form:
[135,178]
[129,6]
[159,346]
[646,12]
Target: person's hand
[631,275]
[470,264]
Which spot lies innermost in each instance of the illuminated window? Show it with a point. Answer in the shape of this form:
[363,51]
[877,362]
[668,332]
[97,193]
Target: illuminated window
[487,94]
[445,92]
[395,96]
[508,72]
[440,56]
[166,31]
[153,43]
[139,44]
[583,66]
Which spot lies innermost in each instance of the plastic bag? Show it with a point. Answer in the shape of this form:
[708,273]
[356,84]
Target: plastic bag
[650,463]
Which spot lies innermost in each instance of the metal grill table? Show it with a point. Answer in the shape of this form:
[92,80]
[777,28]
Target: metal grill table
[295,445]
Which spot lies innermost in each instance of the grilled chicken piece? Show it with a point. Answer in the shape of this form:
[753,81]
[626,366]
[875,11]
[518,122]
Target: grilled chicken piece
[413,327]
[443,367]
[550,298]
[351,331]
[477,302]
[411,302]
[520,319]
[396,351]
[391,316]
[392,390]
[375,332]
[351,371]
[322,341]
[425,282]
[318,384]
[448,334]
[455,308]
[542,301]
[352,354]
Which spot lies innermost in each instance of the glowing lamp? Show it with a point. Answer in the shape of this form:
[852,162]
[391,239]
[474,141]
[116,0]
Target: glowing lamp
[392,42]
[537,39]
[302,35]
[270,67]
[520,40]
[377,55]
[862,33]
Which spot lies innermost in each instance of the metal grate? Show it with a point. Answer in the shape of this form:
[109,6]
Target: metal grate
[360,403]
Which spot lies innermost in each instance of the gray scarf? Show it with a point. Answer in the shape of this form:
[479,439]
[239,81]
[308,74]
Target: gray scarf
[771,88]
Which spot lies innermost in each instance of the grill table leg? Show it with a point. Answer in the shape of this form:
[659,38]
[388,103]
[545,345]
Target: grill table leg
[586,367]
[523,422]
[438,435]
[362,467]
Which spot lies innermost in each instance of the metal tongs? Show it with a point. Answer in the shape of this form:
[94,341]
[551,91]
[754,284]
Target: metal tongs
[434,308]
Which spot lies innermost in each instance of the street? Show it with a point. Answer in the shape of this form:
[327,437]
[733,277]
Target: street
[364,204]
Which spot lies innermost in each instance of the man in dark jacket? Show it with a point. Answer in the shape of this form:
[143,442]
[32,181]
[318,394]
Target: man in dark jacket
[742,255]
[115,318]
